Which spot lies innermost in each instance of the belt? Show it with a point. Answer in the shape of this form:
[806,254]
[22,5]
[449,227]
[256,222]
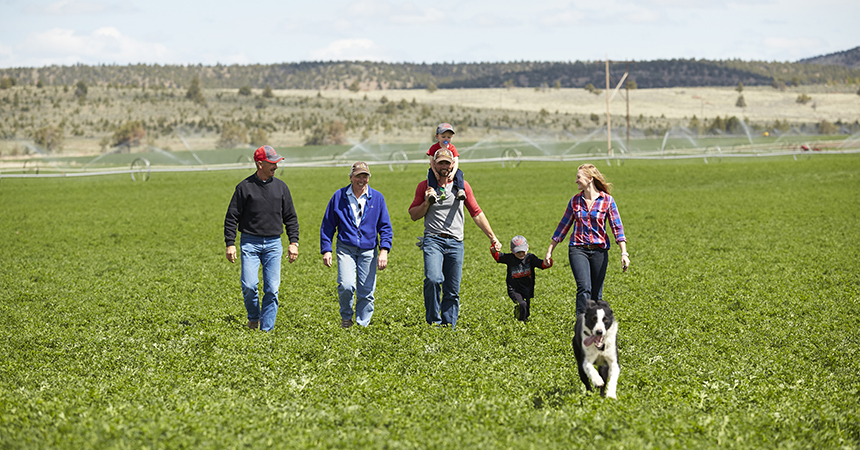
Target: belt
[590,247]
[445,235]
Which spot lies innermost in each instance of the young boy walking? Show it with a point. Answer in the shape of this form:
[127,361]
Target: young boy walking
[521,274]
[444,134]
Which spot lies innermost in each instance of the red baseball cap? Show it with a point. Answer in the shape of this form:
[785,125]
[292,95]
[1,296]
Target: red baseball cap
[268,154]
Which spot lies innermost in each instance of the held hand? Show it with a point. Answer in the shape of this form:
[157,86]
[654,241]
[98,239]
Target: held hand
[327,259]
[625,263]
[382,260]
[497,246]
[293,251]
[231,253]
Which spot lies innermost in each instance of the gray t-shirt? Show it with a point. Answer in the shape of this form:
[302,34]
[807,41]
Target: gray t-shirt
[445,216]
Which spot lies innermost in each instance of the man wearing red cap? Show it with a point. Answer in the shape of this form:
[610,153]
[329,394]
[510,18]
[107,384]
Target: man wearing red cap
[260,208]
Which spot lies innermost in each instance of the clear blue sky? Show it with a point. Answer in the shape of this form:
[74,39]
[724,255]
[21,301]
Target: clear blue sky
[44,32]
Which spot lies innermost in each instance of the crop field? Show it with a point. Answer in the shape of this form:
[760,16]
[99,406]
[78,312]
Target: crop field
[123,325]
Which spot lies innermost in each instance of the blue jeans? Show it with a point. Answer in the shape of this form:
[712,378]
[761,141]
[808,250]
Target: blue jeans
[589,271]
[265,251]
[356,277]
[443,268]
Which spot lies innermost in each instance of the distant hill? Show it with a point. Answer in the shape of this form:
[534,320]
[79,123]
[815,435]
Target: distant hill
[848,58]
[377,75]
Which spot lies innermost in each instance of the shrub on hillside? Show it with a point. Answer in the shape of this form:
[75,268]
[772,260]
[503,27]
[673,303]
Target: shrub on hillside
[81,90]
[825,127]
[590,88]
[259,137]
[194,92]
[6,83]
[232,134]
[327,134]
[130,133]
[50,138]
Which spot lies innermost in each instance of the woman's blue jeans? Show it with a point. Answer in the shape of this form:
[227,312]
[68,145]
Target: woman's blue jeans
[356,281]
[266,252]
[589,271]
[443,268]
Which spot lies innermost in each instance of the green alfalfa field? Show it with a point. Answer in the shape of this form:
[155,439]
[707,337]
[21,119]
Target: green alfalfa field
[123,325]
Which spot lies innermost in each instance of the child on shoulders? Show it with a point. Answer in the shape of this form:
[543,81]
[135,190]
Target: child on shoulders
[444,134]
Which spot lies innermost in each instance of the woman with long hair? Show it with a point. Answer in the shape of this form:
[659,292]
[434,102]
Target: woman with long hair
[588,213]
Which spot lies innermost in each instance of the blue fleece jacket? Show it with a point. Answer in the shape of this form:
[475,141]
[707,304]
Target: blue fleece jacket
[375,222]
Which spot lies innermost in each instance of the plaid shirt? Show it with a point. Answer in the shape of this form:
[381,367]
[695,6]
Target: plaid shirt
[589,227]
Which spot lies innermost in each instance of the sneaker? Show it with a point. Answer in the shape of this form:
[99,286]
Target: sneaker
[253,324]
[431,199]
[345,323]
[461,195]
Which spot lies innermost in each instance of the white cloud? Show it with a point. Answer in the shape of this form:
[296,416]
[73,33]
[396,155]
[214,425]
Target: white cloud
[368,8]
[562,18]
[76,7]
[643,15]
[105,44]
[395,13]
[349,50]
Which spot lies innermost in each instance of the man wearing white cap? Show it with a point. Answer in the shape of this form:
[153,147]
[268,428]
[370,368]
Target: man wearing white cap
[359,215]
[260,208]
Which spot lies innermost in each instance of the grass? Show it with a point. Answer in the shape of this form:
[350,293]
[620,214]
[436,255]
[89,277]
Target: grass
[123,322]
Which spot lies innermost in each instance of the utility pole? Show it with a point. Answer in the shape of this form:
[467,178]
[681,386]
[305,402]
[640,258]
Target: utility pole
[608,117]
[627,97]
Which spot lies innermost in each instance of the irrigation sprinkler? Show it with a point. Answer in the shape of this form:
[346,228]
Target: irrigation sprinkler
[398,160]
[513,156]
[244,159]
[32,166]
[141,167]
[803,150]
[714,152]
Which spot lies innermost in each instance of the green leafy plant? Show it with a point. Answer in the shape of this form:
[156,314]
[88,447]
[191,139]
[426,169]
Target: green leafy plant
[126,327]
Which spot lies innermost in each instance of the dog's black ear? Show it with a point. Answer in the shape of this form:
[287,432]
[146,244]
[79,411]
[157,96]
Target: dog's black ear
[602,303]
[589,304]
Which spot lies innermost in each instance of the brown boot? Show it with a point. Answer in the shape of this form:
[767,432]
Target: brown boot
[253,324]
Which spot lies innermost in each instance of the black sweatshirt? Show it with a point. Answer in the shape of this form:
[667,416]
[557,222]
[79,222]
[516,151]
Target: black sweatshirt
[259,208]
[521,272]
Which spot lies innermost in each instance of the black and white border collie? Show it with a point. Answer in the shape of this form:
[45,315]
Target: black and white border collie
[594,344]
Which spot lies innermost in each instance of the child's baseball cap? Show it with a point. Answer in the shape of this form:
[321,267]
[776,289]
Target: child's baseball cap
[443,127]
[519,244]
